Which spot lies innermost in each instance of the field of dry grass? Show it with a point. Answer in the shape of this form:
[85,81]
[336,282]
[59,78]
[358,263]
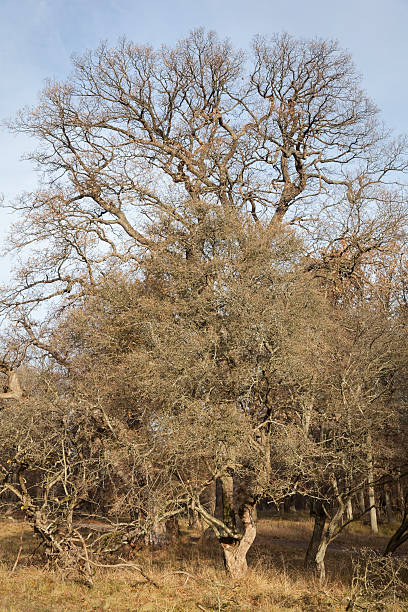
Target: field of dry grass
[189,577]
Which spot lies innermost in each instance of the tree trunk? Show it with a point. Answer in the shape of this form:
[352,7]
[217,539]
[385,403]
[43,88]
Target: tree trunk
[289,504]
[401,534]
[371,492]
[400,496]
[218,508]
[235,543]
[163,533]
[388,504]
[300,502]
[228,510]
[319,514]
[349,510]
[208,498]
[194,519]
[373,510]
[398,538]
[322,536]
[13,389]
[319,560]
[211,499]
[235,552]
[361,501]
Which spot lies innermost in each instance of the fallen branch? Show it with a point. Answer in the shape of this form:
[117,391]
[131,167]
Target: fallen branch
[128,565]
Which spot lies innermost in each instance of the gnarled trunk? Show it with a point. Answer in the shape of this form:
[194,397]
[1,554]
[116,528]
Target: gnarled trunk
[320,567]
[235,551]
[235,540]
[322,536]
[316,551]
[319,514]
[13,389]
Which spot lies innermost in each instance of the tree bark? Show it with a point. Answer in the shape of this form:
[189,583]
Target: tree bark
[371,492]
[13,389]
[388,504]
[401,534]
[235,552]
[349,510]
[361,501]
[398,538]
[289,504]
[163,533]
[322,536]
[228,510]
[319,559]
[194,520]
[400,496]
[218,508]
[319,514]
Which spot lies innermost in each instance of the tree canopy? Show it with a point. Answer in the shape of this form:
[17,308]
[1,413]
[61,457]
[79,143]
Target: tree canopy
[211,294]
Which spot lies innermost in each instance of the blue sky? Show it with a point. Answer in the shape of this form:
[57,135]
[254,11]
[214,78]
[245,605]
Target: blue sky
[38,37]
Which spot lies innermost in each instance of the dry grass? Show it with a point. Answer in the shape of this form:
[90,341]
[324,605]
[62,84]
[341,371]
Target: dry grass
[190,577]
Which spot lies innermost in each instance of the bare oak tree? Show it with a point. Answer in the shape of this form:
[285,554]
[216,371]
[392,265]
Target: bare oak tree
[284,133]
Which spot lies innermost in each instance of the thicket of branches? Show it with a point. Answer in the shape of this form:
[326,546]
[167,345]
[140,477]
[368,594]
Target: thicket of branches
[211,296]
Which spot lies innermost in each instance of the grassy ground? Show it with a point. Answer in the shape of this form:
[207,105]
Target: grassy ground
[189,577]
